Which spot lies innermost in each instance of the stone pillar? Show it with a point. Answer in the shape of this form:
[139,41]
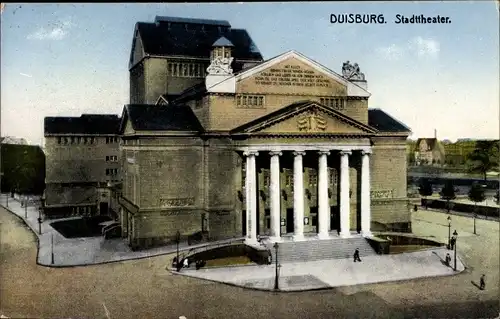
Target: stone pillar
[323,203]
[251,197]
[345,223]
[275,196]
[298,196]
[365,194]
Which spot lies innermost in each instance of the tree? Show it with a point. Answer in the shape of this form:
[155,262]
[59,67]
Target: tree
[484,158]
[476,193]
[448,193]
[425,189]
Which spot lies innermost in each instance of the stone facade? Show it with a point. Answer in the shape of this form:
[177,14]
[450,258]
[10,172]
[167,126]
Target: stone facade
[190,182]
[80,163]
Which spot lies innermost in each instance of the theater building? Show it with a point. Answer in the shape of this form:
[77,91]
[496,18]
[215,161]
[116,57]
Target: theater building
[216,140]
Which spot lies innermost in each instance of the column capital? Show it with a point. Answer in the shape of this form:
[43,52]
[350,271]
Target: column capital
[345,152]
[324,152]
[275,153]
[299,153]
[251,153]
[366,152]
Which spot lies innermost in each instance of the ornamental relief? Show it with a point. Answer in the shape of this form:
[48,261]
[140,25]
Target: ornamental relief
[311,122]
[382,194]
[177,202]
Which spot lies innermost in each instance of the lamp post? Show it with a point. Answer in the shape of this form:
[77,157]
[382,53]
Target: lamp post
[25,206]
[52,248]
[276,277]
[475,216]
[449,232]
[177,240]
[455,234]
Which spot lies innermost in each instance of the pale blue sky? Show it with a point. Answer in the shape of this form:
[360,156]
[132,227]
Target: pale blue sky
[68,59]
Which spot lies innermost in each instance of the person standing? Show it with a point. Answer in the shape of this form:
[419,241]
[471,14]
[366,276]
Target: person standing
[448,259]
[482,282]
[356,255]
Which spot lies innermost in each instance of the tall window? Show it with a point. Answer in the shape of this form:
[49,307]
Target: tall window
[250,101]
[313,178]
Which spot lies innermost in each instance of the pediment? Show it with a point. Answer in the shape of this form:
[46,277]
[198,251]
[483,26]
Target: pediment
[290,71]
[306,117]
[128,128]
[293,74]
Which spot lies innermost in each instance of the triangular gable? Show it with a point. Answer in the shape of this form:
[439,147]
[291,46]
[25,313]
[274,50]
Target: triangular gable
[305,117]
[126,126]
[229,85]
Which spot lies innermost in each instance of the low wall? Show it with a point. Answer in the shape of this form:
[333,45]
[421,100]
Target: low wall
[382,242]
[462,207]
[258,256]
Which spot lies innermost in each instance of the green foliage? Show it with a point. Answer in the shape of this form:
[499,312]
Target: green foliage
[484,158]
[23,168]
[448,192]
[425,188]
[476,193]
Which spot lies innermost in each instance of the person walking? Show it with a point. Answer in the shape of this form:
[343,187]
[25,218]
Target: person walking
[453,241]
[356,255]
[482,282]
[448,259]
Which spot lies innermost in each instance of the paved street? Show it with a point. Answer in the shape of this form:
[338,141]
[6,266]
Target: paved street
[144,289]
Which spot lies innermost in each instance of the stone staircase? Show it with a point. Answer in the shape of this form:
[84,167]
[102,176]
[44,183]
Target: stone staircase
[315,249]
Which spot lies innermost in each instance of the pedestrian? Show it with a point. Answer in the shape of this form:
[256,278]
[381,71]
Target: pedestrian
[482,283]
[452,242]
[356,255]
[448,259]
[186,263]
[174,262]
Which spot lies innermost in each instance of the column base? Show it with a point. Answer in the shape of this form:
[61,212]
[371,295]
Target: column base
[345,234]
[275,239]
[251,242]
[298,237]
[366,233]
[323,236]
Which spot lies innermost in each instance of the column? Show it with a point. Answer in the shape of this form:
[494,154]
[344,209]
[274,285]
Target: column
[298,196]
[251,197]
[275,196]
[345,204]
[365,194]
[323,207]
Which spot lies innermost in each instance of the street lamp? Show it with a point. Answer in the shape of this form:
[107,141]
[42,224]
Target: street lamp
[52,248]
[25,206]
[276,277]
[475,216]
[177,240]
[455,235]
[449,232]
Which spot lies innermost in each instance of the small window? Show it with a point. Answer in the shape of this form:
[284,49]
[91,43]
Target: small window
[107,158]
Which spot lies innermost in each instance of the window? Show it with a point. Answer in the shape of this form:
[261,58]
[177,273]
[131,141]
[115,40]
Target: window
[266,178]
[59,140]
[243,174]
[332,176]
[289,180]
[250,101]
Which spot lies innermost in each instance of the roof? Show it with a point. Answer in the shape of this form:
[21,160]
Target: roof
[222,42]
[147,117]
[85,124]
[162,39]
[383,122]
[223,23]
[431,142]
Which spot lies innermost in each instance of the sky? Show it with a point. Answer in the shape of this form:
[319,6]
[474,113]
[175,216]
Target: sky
[69,59]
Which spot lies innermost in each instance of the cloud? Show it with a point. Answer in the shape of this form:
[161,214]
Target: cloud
[423,48]
[392,52]
[56,31]
[27,75]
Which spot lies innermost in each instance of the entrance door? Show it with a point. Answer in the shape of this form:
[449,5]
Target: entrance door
[313,211]
[103,208]
[244,222]
[289,220]
[334,218]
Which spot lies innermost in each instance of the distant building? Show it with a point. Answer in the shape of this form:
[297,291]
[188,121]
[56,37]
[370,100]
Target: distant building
[429,151]
[13,140]
[83,164]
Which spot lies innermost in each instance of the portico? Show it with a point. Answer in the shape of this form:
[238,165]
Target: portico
[273,153]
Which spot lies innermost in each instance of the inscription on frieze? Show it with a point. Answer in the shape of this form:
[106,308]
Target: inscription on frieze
[176,202]
[382,194]
[292,75]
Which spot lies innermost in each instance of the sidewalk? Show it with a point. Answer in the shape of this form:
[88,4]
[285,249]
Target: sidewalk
[333,273]
[82,251]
